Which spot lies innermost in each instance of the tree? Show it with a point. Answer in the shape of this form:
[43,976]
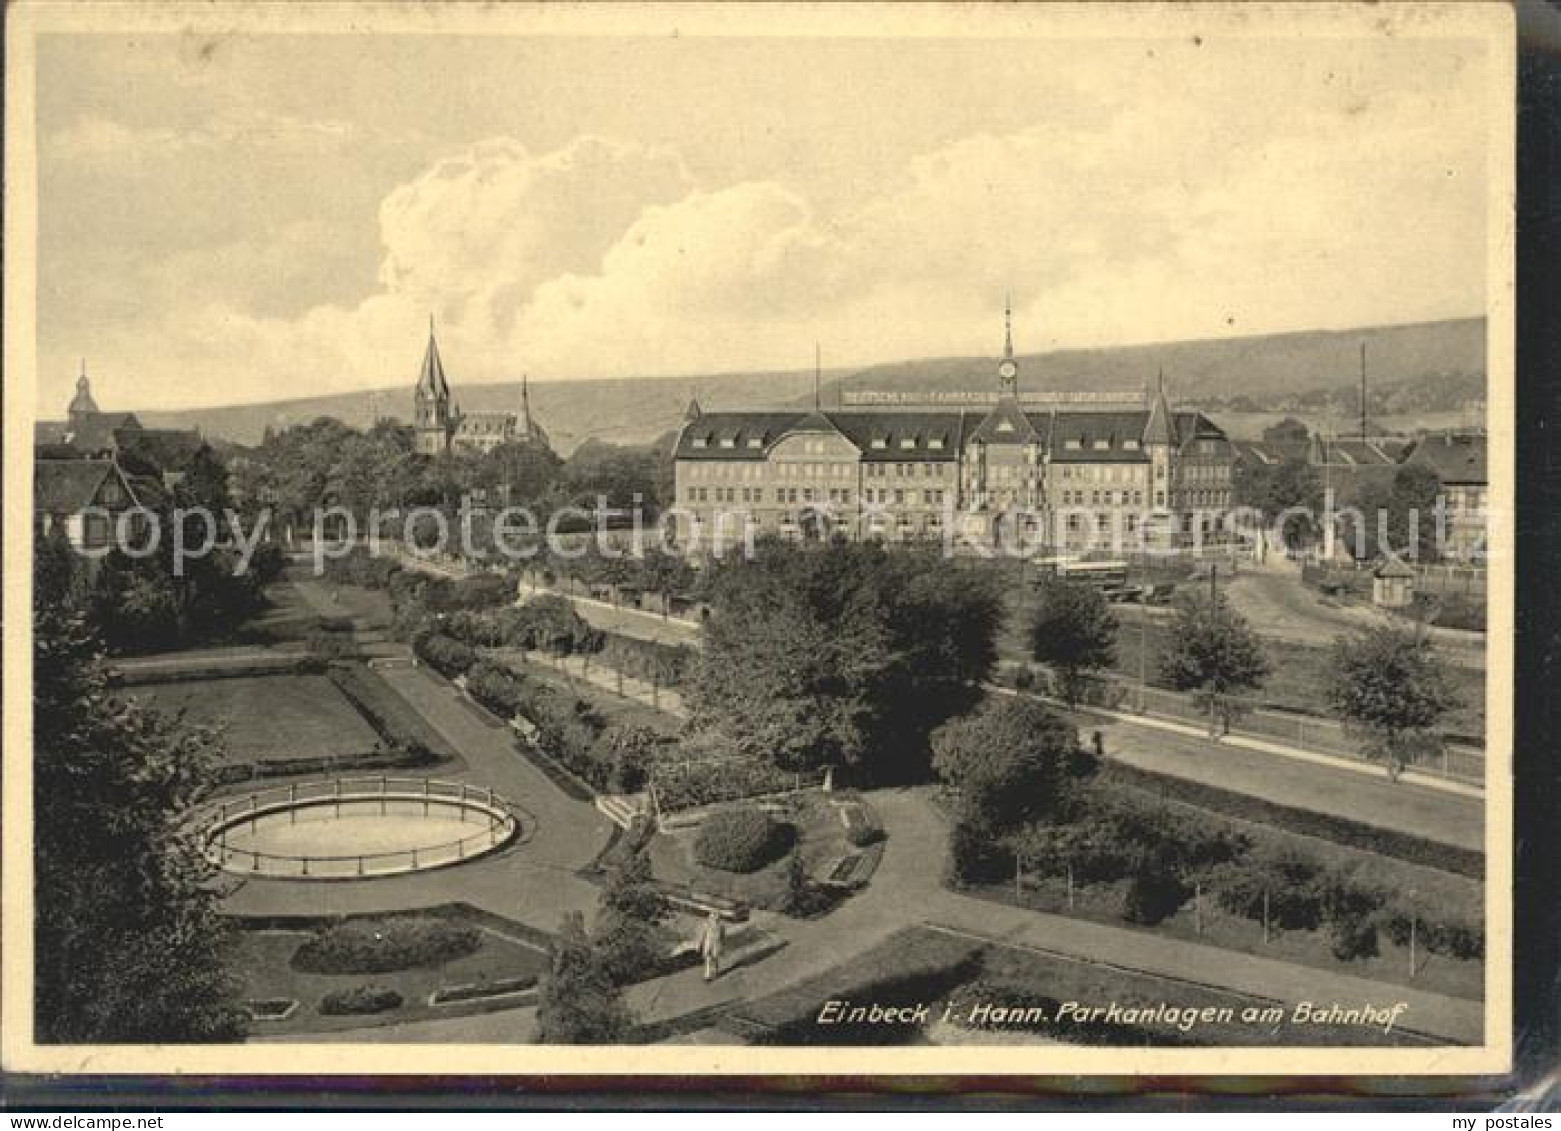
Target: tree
[1213,654]
[1400,514]
[1288,430]
[840,655]
[1291,485]
[1009,762]
[128,942]
[578,1002]
[1074,632]
[627,935]
[1389,688]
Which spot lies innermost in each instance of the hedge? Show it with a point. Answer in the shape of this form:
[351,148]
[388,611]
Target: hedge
[1325,826]
[688,785]
[741,840]
[390,716]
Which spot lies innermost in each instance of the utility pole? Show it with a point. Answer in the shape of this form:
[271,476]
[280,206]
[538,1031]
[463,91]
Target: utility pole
[1363,391]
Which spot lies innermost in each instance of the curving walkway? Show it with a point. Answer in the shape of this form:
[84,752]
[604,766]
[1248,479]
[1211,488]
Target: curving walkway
[907,890]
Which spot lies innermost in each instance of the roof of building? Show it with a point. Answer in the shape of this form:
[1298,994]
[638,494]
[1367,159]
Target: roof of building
[65,486]
[1393,567]
[1098,437]
[89,433]
[1160,428]
[1007,423]
[1458,458]
[488,422]
[889,436]
[165,449]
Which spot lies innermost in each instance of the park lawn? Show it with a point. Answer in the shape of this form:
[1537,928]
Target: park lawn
[925,965]
[262,959]
[820,839]
[268,717]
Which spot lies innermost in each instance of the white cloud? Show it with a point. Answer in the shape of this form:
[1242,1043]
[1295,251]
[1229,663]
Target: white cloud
[1139,222]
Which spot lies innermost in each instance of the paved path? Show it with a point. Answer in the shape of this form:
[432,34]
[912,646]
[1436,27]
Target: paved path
[535,881]
[906,891]
[1431,808]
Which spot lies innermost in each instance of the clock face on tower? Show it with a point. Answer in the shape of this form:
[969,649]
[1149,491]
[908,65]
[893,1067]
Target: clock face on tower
[1007,370]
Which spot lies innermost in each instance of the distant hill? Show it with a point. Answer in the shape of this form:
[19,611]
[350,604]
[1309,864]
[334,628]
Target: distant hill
[1271,370]
[1443,361]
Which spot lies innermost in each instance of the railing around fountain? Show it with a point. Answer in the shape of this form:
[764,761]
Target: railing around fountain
[499,821]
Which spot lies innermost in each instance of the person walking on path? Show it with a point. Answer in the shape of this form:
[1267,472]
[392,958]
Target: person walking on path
[711,943]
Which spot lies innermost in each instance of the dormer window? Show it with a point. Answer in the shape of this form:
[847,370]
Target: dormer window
[907,441]
[880,442]
[1072,445]
[755,442]
[1130,445]
[728,442]
[701,442]
[1102,445]
[1005,426]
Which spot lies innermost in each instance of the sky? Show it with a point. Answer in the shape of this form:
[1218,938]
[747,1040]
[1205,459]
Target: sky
[257,217]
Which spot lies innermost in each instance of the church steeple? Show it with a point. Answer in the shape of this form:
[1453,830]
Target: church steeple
[82,403]
[430,380]
[433,416]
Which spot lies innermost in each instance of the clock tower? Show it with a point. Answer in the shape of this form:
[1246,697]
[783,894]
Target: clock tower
[1008,368]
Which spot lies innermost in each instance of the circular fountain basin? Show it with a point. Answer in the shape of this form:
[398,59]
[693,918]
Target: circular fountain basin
[357,828]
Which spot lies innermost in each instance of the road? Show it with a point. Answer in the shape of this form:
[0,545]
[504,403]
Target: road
[1279,605]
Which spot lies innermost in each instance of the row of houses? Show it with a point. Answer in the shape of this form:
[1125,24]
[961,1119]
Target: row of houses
[94,467]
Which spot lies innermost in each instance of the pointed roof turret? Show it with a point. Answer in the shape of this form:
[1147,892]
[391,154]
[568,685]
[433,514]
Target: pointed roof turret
[430,378]
[1161,425]
[1008,368]
[693,412]
[82,403]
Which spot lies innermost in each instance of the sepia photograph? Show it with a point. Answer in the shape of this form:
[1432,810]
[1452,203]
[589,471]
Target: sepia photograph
[754,539]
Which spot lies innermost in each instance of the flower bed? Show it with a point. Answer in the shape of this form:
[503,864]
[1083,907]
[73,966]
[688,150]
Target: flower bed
[377,946]
[360,1000]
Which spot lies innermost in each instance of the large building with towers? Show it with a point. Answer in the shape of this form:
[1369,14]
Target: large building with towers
[1062,476]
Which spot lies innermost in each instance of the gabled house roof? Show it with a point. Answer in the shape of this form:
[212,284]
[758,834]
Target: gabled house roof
[63,486]
[162,450]
[1458,458]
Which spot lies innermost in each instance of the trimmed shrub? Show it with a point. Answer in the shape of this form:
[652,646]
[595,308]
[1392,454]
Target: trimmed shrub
[360,999]
[1154,894]
[741,840]
[1450,939]
[378,946]
[447,656]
